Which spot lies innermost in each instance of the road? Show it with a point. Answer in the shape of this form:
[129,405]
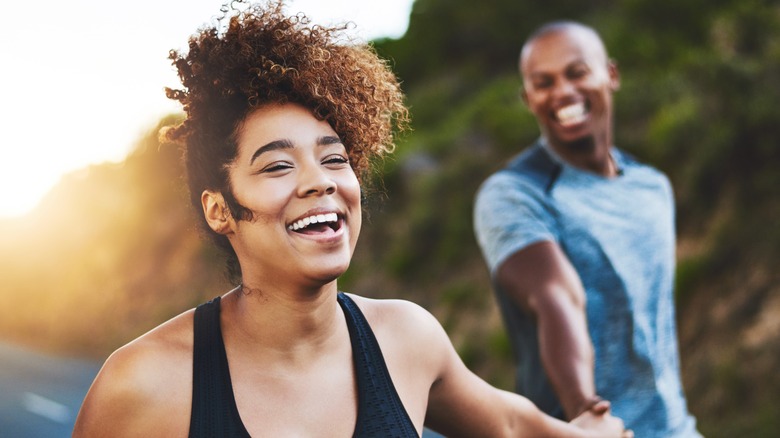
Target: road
[40,395]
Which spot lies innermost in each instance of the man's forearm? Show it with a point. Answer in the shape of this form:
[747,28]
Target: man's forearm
[567,353]
[543,283]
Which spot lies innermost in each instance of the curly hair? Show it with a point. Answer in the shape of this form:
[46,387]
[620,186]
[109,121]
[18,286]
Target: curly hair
[261,57]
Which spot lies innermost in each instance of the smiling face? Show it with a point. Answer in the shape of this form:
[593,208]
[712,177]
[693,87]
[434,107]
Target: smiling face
[293,174]
[568,84]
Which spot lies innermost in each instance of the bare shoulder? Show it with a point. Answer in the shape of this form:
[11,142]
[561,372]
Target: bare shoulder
[399,316]
[144,386]
[405,328]
[415,348]
[156,358]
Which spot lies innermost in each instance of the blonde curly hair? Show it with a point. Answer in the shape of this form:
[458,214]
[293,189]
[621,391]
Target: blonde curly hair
[256,55]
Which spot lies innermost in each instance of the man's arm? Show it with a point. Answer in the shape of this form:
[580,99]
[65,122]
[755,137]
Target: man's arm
[542,281]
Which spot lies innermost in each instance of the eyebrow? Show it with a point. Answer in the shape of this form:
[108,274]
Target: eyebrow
[287,144]
[328,139]
[574,63]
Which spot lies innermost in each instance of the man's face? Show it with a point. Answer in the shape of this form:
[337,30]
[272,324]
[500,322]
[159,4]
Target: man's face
[568,84]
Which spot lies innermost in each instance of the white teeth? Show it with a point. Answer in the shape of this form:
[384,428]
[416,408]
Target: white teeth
[314,219]
[571,114]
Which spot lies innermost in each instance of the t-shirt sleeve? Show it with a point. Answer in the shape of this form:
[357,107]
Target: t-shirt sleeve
[510,215]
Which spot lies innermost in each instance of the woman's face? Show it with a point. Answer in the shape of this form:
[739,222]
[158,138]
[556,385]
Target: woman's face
[292,172]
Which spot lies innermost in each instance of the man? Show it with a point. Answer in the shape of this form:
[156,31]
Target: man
[579,239]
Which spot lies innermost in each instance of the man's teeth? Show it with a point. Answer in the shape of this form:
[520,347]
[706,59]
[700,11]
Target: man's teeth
[314,219]
[571,114]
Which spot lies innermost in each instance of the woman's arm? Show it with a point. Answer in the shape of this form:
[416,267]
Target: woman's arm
[462,404]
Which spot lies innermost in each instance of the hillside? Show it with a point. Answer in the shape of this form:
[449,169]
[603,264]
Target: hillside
[697,101]
[113,251]
[109,253]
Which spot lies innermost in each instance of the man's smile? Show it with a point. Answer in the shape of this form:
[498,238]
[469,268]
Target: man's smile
[571,115]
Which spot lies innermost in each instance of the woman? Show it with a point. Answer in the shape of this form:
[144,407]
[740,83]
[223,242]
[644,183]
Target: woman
[281,120]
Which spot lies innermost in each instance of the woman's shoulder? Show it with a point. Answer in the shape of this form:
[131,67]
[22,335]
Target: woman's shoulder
[415,347]
[161,347]
[403,324]
[144,385]
[146,364]
[394,312]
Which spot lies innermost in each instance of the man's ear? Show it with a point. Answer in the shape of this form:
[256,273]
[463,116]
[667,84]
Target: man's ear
[614,74]
[216,212]
[523,95]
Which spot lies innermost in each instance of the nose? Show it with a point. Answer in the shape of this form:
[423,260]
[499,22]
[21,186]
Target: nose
[563,88]
[315,181]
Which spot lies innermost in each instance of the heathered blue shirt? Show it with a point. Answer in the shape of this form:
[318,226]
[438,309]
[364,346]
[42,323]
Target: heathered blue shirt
[619,235]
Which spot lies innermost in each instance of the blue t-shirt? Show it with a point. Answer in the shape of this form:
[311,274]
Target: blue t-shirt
[618,233]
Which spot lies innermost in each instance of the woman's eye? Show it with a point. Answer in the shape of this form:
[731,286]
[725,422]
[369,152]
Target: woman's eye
[275,167]
[335,159]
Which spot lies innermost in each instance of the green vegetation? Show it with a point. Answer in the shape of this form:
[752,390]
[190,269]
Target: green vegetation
[699,86]
[113,251]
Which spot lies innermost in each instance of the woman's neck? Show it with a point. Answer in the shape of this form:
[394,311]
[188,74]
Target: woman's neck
[282,320]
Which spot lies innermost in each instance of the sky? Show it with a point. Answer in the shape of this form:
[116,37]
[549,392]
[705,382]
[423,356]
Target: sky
[81,81]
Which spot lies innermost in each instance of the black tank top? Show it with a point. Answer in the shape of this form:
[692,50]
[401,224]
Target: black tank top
[214,412]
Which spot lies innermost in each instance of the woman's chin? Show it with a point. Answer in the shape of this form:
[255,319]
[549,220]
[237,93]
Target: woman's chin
[329,275]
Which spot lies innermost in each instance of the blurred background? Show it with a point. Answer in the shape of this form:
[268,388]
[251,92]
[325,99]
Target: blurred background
[112,251]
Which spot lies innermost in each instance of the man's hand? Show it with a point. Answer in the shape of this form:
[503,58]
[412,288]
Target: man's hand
[596,418]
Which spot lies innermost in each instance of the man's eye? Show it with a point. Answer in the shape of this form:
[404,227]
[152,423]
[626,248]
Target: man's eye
[542,84]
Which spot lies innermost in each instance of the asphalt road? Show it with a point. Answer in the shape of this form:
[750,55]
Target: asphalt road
[40,394]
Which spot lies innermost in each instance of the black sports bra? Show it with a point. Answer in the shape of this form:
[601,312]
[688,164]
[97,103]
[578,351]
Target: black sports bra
[214,411]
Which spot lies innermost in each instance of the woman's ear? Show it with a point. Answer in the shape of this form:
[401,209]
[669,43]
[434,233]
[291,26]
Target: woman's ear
[216,211]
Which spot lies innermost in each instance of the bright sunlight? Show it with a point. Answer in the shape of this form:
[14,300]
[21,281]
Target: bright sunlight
[83,83]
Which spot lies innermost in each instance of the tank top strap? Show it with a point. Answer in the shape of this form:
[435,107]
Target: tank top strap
[214,411]
[380,410]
